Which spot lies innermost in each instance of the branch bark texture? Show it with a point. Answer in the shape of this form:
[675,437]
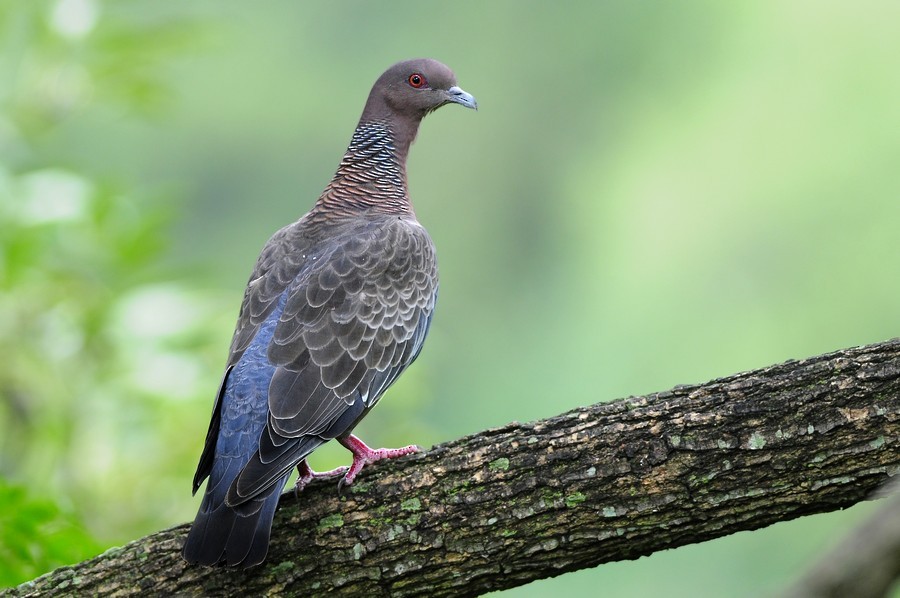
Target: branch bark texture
[608,482]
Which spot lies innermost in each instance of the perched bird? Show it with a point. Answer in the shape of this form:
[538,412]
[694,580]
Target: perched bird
[337,306]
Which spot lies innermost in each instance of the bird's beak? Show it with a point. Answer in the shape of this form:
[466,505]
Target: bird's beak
[458,96]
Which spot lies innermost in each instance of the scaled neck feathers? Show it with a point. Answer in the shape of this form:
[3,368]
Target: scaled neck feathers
[371,176]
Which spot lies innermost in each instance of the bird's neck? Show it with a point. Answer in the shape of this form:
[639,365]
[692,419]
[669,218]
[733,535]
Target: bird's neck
[372,174]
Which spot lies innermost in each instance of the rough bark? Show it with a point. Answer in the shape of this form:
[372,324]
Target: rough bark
[608,482]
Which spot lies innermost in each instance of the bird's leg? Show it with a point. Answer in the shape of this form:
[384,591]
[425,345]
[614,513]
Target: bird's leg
[307,475]
[363,455]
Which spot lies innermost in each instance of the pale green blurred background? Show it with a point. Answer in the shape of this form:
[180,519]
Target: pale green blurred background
[651,193]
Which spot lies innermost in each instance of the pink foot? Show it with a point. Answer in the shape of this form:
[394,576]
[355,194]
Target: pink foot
[363,455]
[307,475]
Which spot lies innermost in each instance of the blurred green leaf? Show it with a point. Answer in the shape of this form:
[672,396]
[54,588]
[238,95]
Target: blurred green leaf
[37,535]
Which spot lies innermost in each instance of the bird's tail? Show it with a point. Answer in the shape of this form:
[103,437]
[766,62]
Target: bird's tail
[234,536]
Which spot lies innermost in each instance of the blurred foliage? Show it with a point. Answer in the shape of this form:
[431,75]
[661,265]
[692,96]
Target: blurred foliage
[23,518]
[650,194]
[95,346]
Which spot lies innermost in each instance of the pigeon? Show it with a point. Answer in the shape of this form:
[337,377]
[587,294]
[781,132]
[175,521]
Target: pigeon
[337,307]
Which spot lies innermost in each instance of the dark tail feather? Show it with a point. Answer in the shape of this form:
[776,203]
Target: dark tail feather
[237,537]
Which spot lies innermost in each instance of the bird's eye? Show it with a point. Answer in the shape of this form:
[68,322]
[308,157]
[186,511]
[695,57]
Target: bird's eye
[416,80]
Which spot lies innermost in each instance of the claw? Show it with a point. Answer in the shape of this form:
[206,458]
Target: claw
[363,455]
[307,475]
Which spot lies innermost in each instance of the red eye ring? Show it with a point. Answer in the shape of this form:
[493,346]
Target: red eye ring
[416,80]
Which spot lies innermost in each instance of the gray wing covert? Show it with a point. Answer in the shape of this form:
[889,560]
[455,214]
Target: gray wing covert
[351,323]
[280,261]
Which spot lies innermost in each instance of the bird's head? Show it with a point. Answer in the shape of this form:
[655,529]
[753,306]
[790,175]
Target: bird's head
[413,88]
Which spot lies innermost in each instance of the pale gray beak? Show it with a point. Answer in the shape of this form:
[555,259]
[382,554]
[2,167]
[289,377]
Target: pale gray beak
[459,96]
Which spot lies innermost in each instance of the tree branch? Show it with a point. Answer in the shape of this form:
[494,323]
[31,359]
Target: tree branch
[608,482]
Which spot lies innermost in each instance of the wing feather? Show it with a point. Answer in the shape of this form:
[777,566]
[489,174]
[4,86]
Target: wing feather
[353,319]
